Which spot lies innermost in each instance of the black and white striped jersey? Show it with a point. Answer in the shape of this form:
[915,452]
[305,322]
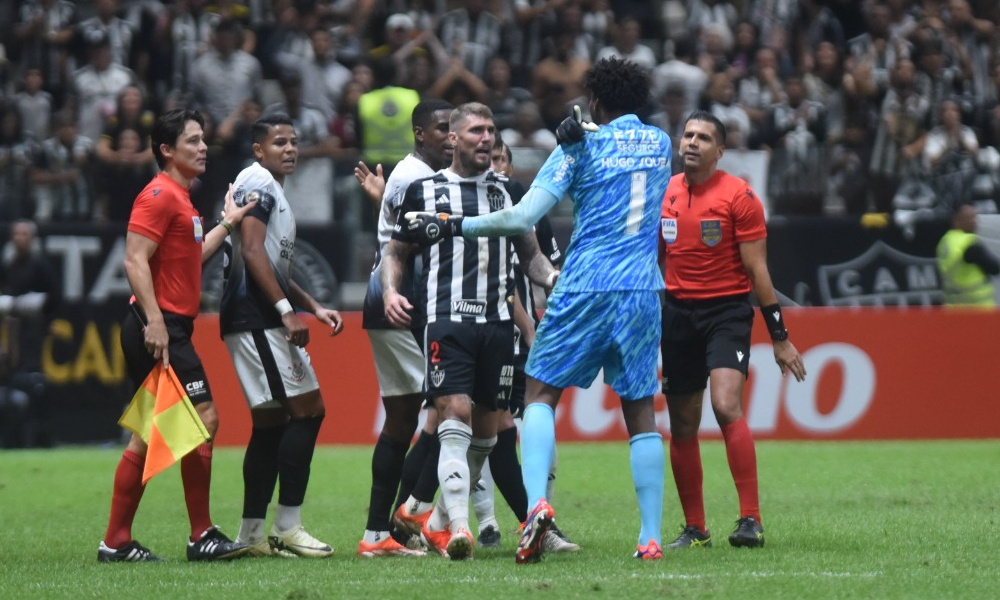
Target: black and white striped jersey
[525,289]
[244,305]
[464,280]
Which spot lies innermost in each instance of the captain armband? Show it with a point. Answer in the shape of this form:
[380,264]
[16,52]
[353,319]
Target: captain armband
[774,321]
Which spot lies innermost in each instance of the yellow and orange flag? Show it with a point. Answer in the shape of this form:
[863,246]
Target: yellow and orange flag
[162,415]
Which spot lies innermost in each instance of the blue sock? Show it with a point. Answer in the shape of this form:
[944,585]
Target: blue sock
[538,441]
[646,455]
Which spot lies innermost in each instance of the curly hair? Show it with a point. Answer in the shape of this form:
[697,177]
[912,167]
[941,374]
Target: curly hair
[620,86]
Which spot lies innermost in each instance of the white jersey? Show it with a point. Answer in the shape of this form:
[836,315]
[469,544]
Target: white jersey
[406,172]
[244,306]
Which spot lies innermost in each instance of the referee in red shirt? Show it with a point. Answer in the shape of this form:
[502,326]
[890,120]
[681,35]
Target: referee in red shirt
[164,250]
[714,241]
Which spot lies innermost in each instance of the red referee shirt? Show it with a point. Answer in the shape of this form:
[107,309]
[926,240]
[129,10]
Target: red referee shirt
[163,213]
[702,227]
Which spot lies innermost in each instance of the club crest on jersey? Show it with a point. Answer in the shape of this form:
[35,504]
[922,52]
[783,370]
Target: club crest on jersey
[298,372]
[668,227]
[494,195]
[437,377]
[199,231]
[711,231]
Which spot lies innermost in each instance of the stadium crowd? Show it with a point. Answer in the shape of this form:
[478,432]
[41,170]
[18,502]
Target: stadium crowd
[861,106]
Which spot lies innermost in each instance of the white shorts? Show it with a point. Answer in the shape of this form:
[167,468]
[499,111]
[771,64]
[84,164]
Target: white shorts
[269,367]
[399,363]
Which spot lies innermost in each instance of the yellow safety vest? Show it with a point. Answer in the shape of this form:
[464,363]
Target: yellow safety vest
[386,124]
[964,284]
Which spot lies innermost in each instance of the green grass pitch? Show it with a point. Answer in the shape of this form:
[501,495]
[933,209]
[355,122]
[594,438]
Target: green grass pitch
[844,520]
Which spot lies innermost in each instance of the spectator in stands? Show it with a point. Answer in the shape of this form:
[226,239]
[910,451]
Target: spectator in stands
[60,174]
[744,51]
[874,53]
[43,34]
[458,85]
[503,98]
[824,83]
[472,34]
[796,129]
[29,292]
[323,77]
[949,155]
[628,46]
[124,156]
[528,130]
[707,13]
[988,114]
[936,78]
[762,89]
[671,113]
[533,19]
[721,102]
[899,140]
[679,70]
[35,106]
[973,36]
[97,85]
[106,23]
[312,183]
[404,42]
[557,80]
[16,151]
[186,31]
[224,77]
[816,23]
[848,190]
[714,42]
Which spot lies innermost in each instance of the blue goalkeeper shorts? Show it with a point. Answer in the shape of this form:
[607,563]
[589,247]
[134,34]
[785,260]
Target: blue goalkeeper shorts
[583,332]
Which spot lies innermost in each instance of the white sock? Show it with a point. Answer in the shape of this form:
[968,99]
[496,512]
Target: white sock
[482,495]
[417,507]
[374,537]
[288,517]
[454,474]
[251,531]
[482,499]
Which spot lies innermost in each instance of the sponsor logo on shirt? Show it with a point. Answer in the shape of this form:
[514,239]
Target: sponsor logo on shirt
[473,308]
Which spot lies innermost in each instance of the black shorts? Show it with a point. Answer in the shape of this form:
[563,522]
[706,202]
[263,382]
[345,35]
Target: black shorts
[475,359]
[701,335]
[185,361]
[516,403]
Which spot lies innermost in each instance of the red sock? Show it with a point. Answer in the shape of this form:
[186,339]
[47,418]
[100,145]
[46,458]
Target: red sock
[196,473]
[743,464]
[685,461]
[125,499]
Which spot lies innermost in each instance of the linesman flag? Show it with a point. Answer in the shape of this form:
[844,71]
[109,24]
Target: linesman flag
[162,415]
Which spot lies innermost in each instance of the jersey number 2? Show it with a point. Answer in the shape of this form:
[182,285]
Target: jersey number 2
[636,203]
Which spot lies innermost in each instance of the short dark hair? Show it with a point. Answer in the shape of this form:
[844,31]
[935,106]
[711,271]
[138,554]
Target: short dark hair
[621,86]
[704,115]
[168,127]
[423,111]
[263,126]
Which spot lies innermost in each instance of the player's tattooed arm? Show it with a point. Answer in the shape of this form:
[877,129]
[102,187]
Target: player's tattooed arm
[538,267]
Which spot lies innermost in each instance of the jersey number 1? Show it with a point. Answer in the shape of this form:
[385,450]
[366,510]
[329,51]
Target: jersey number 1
[636,203]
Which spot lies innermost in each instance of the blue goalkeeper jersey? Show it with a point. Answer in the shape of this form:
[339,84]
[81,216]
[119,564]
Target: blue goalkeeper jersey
[616,179]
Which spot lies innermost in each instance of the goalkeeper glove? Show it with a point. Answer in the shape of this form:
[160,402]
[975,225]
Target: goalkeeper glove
[427,228]
[572,129]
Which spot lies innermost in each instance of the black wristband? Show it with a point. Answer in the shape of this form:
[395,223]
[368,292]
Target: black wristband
[774,321]
[456,226]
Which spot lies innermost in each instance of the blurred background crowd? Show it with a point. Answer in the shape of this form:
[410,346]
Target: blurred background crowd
[860,106]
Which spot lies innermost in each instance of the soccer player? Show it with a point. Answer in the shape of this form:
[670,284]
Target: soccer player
[467,291]
[164,249]
[399,360]
[503,467]
[600,313]
[715,247]
[266,341]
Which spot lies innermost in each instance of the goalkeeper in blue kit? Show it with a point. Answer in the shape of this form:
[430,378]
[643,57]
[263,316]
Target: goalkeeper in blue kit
[605,309]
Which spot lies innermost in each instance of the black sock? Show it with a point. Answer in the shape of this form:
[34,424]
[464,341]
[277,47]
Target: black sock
[294,458]
[506,472]
[427,483]
[260,470]
[387,465]
[414,464]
